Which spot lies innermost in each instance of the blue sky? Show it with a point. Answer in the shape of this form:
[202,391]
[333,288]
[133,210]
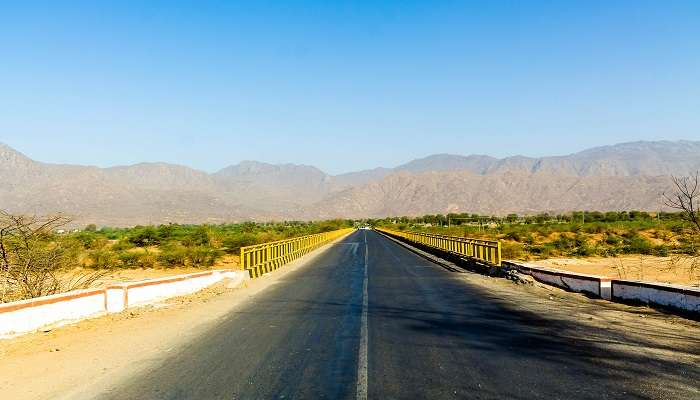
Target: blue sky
[343,85]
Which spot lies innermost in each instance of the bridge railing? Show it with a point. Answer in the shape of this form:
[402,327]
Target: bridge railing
[487,251]
[262,258]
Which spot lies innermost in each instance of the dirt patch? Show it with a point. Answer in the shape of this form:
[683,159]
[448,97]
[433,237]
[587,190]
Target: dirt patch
[636,267]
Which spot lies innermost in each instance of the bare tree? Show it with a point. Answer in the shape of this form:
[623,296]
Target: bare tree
[32,258]
[686,198]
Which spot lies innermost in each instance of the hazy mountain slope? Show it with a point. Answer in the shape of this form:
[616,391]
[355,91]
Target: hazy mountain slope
[478,164]
[626,159]
[639,158]
[269,186]
[161,176]
[628,175]
[118,205]
[520,192]
[142,193]
[343,181]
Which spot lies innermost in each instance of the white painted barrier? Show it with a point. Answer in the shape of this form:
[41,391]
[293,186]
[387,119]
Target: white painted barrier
[675,296]
[572,281]
[28,315]
[684,298]
[153,290]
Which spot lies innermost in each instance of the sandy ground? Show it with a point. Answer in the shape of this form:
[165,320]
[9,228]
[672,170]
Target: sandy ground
[58,364]
[638,267]
[123,275]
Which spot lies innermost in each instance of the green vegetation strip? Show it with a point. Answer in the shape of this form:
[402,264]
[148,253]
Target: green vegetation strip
[578,234]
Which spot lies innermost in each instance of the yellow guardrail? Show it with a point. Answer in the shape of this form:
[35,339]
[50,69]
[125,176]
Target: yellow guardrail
[262,258]
[488,251]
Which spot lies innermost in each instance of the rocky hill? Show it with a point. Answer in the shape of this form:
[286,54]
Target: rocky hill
[508,192]
[623,176]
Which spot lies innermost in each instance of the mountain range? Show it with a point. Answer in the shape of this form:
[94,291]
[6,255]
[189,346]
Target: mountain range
[623,176]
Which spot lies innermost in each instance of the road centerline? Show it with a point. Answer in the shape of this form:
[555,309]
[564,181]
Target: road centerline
[362,356]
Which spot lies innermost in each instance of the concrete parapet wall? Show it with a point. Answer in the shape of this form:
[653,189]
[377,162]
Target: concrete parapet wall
[675,296]
[571,281]
[683,298]
[29,315]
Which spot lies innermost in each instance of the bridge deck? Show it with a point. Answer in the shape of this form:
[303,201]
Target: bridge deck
[430,333]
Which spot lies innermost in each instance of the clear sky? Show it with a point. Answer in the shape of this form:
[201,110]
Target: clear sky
[342,85]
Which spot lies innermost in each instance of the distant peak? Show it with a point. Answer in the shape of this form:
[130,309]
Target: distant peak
[258,167]
[7,152]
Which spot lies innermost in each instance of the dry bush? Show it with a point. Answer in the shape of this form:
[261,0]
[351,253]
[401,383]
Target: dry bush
[686,265]
[630,271]
[32,258]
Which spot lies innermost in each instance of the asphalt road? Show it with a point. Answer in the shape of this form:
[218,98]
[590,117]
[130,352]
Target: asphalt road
[370,319]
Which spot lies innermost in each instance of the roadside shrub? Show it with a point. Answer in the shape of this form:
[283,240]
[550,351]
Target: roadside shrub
[584,250]
[661,250]
[528,238]
[677,228]
[102,259]
[111,233]
[147,261]
[200,237]
[689,247]
[201,256]
[233,242]
[564,243]
[542,230]
[607,251]
[542,251]
[661,234]
[264,237]
[90,240]
[130,259]
[612,239]
[122,245]
[637,244]
[171,256]
[594,228]
[512,235]
[144,236]
[513,251]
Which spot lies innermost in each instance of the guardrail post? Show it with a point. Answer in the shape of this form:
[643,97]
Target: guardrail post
[498,262]
[488,251]
[262,258]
